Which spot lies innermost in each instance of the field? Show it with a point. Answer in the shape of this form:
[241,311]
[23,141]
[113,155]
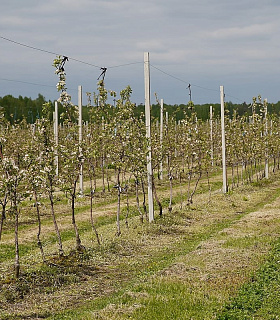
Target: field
[217,258]
[92,248]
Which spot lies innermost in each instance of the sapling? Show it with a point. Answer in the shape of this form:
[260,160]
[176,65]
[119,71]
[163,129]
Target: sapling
[125,132]
[36,182]
[3,199]
[48,154]
[3,189]
[89,163]
[70,148]
[4,125]
[158,152]
[72,158]
[97,142]
[15,166]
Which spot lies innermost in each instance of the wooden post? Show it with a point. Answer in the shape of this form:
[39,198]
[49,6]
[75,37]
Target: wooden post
[55,129]
[225,187]
[80,134]
[161,137]
[148,134]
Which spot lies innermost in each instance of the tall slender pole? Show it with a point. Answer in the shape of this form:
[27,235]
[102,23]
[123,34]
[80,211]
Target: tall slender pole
[80,134]
[161,138]
[166,128]
[266,133]
[211,135]
[225,187]
[55,129]
[148,134]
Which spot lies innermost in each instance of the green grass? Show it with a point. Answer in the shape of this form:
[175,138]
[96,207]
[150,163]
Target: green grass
[156,298]
[171,300]
[260,297]
[129,273]
[7,251]
[243,242]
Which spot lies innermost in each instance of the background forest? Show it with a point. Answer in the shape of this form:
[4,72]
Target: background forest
[17,109]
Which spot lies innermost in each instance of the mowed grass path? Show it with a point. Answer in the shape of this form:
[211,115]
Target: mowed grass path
[188,264]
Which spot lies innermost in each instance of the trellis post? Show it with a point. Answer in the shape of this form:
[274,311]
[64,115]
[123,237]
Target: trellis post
[161,138]
[211,135]
[225,187]
[266,133]
[55,130]
[148,134]
[80,124]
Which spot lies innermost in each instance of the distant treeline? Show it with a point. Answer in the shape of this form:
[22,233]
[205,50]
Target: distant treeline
[17,109]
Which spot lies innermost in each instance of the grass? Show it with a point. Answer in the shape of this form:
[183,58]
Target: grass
[159,298]
[259,298]
[185,265]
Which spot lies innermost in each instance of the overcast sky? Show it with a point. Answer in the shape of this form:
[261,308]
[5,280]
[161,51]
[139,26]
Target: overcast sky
[205,43]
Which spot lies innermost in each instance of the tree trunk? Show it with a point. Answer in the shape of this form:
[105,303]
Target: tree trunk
[73,197]
[17,264]
[3,215]
[39,227]
[118,233]
[189,183]
[170,198]
[94,175]
[103,173]
[127,208]
[144,198]
[181,191]
[108,179]
[232,176]
[237,173]
[137,200]
[61,252]
[209,186]
[195,187]
[91,213]
[156,197]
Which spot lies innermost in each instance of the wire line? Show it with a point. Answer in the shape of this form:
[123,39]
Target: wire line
[93,65]
[31,83]
[170,75]
[187,82]
[193,85]
[34,84]
[57,54]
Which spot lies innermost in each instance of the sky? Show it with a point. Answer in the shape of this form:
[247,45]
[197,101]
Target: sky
[204,43]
